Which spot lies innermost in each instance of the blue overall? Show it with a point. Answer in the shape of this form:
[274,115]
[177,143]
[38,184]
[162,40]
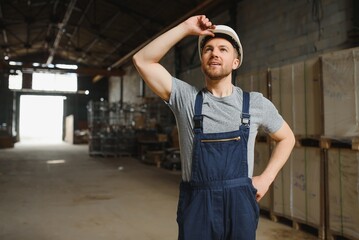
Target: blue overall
[219,202]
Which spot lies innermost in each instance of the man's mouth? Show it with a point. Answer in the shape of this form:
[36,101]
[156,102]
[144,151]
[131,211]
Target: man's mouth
[214,64]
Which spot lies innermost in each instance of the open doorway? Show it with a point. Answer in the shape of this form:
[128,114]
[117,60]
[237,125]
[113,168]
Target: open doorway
[41,118]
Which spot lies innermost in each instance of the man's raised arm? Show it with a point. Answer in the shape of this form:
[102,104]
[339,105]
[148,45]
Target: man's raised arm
[147,59]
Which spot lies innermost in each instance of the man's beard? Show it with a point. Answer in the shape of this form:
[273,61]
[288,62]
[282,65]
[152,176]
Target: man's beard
[216,75]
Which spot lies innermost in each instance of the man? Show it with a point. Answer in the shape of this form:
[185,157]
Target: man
[217,128]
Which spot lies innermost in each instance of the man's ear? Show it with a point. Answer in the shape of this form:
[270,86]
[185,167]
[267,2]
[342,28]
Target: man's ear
[235,64]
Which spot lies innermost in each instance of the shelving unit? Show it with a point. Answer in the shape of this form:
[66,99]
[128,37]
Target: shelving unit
[114,130]
[111,129]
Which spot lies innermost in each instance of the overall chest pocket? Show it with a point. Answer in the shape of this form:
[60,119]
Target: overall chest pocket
[223,158]
[221,140]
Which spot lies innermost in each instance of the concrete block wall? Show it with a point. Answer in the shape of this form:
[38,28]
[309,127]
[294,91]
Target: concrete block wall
[274,33]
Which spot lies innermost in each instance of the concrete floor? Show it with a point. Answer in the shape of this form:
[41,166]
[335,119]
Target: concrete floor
[58,192]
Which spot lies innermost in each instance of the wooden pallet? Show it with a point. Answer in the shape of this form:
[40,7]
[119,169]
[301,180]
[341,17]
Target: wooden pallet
[339,236]
[307,141]
[351,143]
[298,225]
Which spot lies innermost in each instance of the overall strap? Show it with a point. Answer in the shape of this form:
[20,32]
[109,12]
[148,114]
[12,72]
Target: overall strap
[245,117]
[198,117]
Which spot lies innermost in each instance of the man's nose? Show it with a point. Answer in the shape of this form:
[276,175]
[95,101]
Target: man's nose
[215,52]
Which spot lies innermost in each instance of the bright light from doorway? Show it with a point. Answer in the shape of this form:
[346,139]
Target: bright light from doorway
[54,82]
[46,81]
[15,80]
[66,66]
[41,118]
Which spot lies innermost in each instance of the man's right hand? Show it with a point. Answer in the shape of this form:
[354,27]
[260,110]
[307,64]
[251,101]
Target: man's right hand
[199,25]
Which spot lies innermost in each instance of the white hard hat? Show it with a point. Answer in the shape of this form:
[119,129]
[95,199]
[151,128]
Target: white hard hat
[222,31]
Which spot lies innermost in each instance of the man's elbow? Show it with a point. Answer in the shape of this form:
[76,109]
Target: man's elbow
[292,139]
[140,62]
[135,59]
[286,135]
[289,137]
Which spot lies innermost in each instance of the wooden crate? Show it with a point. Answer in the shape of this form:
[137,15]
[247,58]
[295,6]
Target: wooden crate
[6,142]
[341,93]
[306,180]
[343,192]
[154,157]
[254,82]
[282,191]
[296,92]
[261,157]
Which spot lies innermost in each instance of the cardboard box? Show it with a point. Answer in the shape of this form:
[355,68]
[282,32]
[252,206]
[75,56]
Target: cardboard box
[154,157]
[162,137]
[306,194]
[6,142]
[282,191]
[261,158]
[341,93]
[254,82]
[296,92]
[343,182]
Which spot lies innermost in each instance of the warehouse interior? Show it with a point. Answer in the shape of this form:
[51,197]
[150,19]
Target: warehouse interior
[88,151]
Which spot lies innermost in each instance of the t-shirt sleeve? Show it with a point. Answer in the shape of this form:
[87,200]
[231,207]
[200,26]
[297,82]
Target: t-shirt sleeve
[180,94]
[272,121]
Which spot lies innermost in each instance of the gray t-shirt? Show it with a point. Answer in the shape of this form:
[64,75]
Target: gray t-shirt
[220,115]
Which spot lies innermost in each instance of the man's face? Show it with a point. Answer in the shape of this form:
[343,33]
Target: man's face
[219,58]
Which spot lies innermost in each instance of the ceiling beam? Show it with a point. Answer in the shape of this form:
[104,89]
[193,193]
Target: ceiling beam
[200,8]
[104,28]
[4,34]
[86,71]
[126,10]
[129,11]
[76,30]
[62,26]
[49,28]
